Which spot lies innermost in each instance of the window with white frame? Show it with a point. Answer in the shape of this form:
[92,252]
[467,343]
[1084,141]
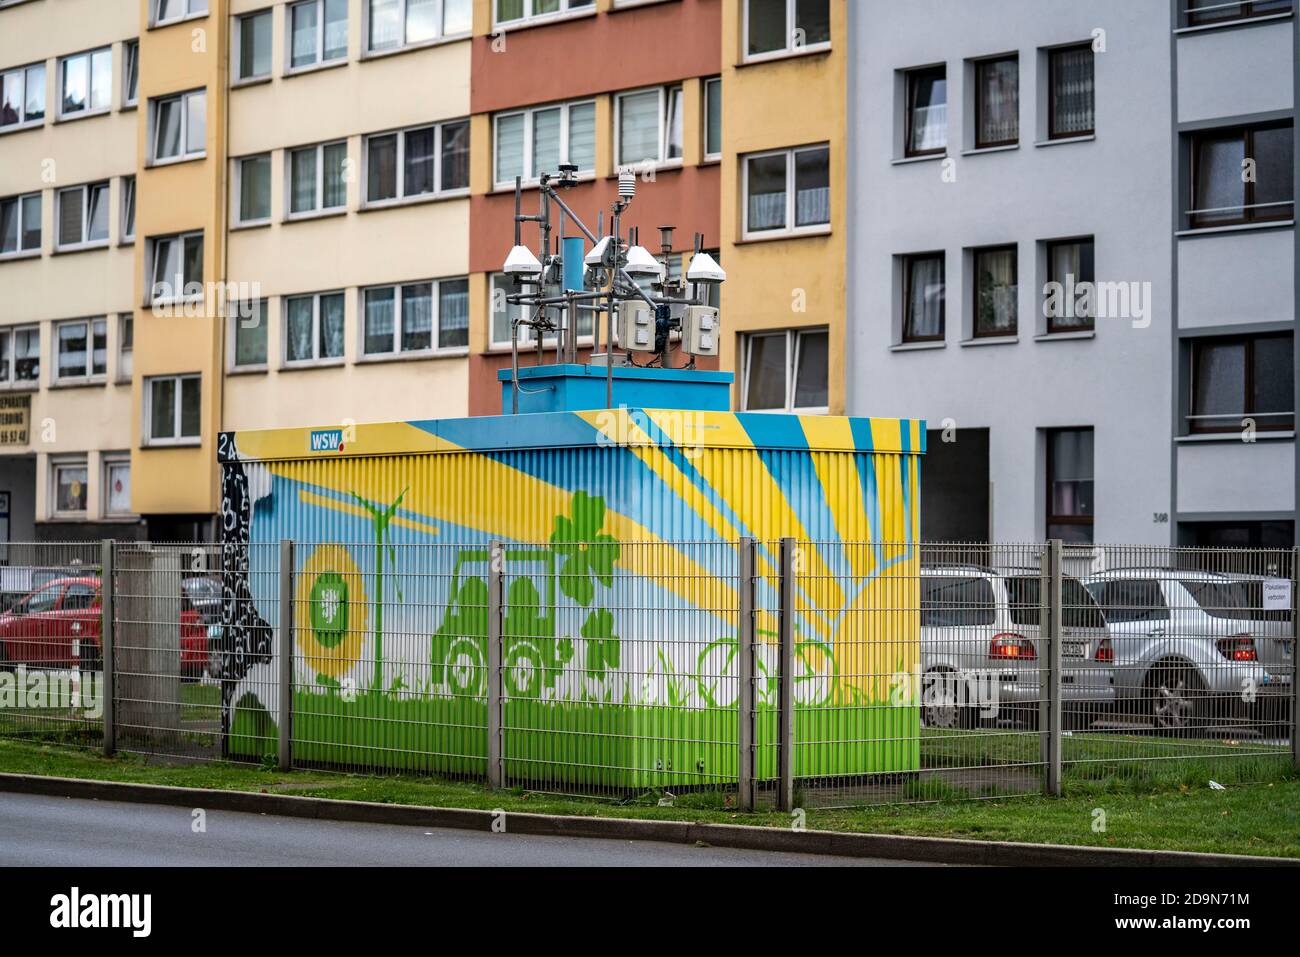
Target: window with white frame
[506,12]
[171,410]
[80,349]
[116,488]
[648,124]
[68,477]
[22,96]
[787,192]
[253,189]
[530,142]
[128,208]
[502,315]
[130,73]
[713,118]
[313,328]
[20,225]
[415,317]
[426,161]
[780,27]
[82,216]
[318,32]
[179,126]
[393,24]
[253,45]
[170,11]
[86,83]
[176,268]
[248,325]
[20,355]
[125,346]
[786,371]
[317,178]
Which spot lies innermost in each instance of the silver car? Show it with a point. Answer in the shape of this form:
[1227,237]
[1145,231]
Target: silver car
[1195,650]
[981,654]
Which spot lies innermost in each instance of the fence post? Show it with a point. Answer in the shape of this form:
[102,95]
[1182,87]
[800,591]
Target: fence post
[785,735]
[745,659]
[106,640]
[496,581]
[1295,657]
[285,717]
[1053,779]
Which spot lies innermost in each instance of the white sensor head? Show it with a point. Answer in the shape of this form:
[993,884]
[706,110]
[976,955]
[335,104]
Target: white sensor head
[641,263]
[705,269]
[522,262]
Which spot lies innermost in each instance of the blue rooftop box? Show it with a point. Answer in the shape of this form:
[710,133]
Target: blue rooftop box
[577,388]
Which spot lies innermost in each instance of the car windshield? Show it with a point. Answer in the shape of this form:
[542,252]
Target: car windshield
[1078,608]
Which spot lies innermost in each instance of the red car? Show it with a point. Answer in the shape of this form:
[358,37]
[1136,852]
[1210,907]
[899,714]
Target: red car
[58,626]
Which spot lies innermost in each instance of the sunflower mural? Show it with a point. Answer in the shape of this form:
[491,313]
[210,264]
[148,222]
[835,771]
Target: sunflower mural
[331,613]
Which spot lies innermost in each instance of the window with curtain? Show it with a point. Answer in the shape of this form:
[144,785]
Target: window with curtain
[255,188]
[455,156]
[1069,265]
[380,316]
[317,178]
[1071,103]
[81,349]
[1070,485]
[923,297]
[997,102]
[1240,377]
[420,162]
[787,191]
[397,23]
[417,317]
[431,160]
[506,11]
[639,127]
[503,313]
[313,327]
[995,291]
[453,314]
[582,136]
[83,216]
[318,32]
[302,180]
[1242,175]
[546,142]
[766,192]
[927,111]
[812,187]
[527,143]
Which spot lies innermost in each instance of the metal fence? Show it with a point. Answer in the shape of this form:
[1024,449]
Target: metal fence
[744,674]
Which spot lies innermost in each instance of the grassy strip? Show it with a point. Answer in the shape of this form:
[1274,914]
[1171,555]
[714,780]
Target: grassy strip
[1169,815]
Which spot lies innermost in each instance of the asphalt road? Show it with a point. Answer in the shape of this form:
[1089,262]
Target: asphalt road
[43,831]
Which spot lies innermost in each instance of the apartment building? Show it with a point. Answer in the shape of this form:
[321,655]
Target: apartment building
[1073,251]
[69,107]
[601,85]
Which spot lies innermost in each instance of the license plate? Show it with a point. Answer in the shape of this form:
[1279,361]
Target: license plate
[1074,649]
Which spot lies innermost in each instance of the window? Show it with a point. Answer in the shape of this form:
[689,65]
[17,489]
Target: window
[1069,485]
[513,11]
[394,24]
[20,224]
[248,330]
[777,27]
[1242,176]
[82,216]
[1237,378]
[649,126]
[317,178]
[318,32]
[171,410]
[128,208]
[531,142]
[504,313]
[313,328]
[418,317]
[81,349]
[180,126]
[1130,599]
[1202,12]
[253,189]
[997,102]
[125,346]
[1070,80]
[772,207]
[995,291]
[22,96]
[116,487]
[176,271]
[169,11]
[20,355]
[86,83]
[713,118]
[1069,265]
[923,298]
[253,45]
[69,487]
[949,601]
[427,161]
[131,73]
[927,111]
[786,371]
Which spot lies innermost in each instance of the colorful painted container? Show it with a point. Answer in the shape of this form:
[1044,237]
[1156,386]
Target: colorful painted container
[621,591]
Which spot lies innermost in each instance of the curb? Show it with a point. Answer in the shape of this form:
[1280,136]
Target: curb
[933,850]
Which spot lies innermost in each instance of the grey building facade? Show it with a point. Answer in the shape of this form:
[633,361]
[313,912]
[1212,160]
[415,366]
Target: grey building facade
[1072,250]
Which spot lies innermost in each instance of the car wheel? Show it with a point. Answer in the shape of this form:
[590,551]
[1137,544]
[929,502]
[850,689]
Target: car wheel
[939,702]
[1176,697]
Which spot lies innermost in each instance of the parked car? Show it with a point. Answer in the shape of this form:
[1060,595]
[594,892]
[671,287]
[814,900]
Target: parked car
[57,625]
[980,632]
[1195,650]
